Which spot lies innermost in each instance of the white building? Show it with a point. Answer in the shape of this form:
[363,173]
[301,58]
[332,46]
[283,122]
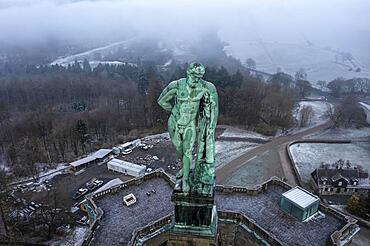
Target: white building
[126,167]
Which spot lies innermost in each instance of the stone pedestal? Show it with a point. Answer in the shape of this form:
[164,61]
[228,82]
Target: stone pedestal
[195,219]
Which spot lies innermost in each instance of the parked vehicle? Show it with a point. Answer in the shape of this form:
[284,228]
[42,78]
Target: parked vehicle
[95,184]
[126,152]
[80,193]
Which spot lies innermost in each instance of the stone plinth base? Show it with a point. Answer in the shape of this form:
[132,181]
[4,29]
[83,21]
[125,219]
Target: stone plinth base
[195,219]
[176,239]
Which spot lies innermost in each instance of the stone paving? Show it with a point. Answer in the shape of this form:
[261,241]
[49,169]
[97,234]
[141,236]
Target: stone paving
[120,221]
[265,211]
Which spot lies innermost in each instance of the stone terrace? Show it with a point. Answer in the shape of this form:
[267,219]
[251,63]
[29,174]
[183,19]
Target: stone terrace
[120,221]
[264,209]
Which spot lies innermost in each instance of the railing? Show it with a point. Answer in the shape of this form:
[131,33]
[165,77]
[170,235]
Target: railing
[152,227]
[240,218]
[337,238]
[138,181]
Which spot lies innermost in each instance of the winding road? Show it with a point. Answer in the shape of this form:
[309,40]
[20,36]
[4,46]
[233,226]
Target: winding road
[278,145]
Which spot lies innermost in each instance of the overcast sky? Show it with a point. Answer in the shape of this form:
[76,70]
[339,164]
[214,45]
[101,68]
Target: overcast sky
[335,23]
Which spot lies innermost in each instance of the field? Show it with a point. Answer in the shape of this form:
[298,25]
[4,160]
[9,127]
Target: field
[256,171]
[342,133]
[308,156]
[319,63]
[232,142]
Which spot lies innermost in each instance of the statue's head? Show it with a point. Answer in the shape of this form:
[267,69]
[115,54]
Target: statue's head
[195,71]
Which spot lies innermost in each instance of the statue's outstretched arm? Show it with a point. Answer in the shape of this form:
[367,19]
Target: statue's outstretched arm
[167,94]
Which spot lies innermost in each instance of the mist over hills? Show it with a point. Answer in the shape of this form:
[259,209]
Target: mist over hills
[285,35]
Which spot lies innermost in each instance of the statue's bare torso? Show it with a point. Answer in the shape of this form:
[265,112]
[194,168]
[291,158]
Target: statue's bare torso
[191,112]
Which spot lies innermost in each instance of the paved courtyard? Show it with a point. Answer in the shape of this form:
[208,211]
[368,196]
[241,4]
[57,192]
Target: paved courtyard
[264,209]
[120,221]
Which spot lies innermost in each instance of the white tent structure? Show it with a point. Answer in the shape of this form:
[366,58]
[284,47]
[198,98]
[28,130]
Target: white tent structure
[126,167]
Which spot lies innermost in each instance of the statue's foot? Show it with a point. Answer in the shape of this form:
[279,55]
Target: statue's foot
[179,174]
[185,187]
[206,190]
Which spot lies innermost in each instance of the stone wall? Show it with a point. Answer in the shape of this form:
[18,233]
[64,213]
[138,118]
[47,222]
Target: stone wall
[243,230]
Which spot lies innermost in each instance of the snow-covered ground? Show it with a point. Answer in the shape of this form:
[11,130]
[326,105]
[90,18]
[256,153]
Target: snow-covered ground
[108,49]
[319,63]
[226,149]
[233,142]
[229,150]
[75,238]
[308,156]
[3,164]
[232,132]
[49,174]
[157,137]
[319,111]
[342,133]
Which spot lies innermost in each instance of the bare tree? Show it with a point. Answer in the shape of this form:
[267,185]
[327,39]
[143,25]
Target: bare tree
[347,114]
[251,63]
[301,74]
[3,197]
[322,84]
[305,116]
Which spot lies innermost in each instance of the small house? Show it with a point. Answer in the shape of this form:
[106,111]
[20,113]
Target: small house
[340,179]
[299,203]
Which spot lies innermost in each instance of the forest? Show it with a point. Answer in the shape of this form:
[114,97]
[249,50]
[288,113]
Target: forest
[54,114]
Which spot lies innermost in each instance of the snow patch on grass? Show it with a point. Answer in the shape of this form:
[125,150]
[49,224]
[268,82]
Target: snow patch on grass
[239,133]
[308,156]
[319,111]
[75,238]
[160,136]
[342,133]
[228,150]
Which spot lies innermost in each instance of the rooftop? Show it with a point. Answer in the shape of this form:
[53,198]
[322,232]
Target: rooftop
[367,106]
[82,161]
[264,209]
[109,184]
[300,197]
[102,153]
[119,221]
[332,174]
[126,165]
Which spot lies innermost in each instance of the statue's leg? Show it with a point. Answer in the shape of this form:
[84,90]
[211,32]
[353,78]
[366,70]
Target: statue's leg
[188,143]
[200,158]
[208,167]
[176,140]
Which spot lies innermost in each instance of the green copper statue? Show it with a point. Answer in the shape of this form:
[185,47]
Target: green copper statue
[193,115]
